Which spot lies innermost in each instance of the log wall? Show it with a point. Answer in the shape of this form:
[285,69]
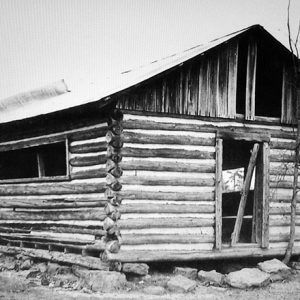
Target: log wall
[168,187]
[67,214]
[169,182]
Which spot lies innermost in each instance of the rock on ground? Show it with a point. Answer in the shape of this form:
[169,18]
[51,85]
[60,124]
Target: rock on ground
[135,268]
[211,277]
[101,281]
[154,290]
[248,277]
[190,273]
[181,284]
[273,266]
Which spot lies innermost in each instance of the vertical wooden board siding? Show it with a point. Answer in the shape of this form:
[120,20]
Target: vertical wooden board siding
[194,85]
[202,99]
[223,84]
[218,193]
[187,89]
[288,115]
[232,78]
[251,80]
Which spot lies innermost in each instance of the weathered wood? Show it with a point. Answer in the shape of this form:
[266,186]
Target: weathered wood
[284,209]
[169,137]
[218,193]
[251,80]
[136,239]
[169,164]
[246,187]
[97,171]
[281,168]
[88,146]
[205,195]
[13,230]
[114,140]
[241,135]
[165,222]
[282,182]
[166,152]
[284,220]
[54,188]
[113,168]
[112,211]
[167,178]
[55,215]
[113,182]
[265,195]
[287,144]
[282,155]
[165,247]
[93,133]
[114,154]
[58,257]
[88,159]
[113,246]
[169,208]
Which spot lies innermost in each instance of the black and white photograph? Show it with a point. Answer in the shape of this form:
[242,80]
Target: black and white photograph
[149,149]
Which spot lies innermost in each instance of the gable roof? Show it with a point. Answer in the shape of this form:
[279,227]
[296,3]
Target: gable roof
[67,94]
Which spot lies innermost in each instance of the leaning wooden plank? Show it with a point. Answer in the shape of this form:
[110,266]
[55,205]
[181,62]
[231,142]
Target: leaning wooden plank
[135,239]
[165,222]
[168,137]
[169,208]
[54,188]
[168,164]
[246,187]
[218,193]
[54,215]
[58,257]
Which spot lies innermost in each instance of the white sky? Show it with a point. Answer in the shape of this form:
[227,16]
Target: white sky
[42,41]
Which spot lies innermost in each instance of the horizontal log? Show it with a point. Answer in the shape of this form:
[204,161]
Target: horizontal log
[88,159]
[169,164]
[288,144]
[89,134]
[96,171]
[173,246]
[50,138]
[169,137]
[65,229]
[54,188]
[168,208]
[176,124]
[43,201]
[134,239]
[282,233]
[87,146]
[175,255]
[284,220]
[36,238]
[58,257]
[282,155]
[13,230]
[200,231]
[168,178]
[54,215]
[281,168]
[176,195]
[282,195]
[166,152]
[281,245]
[284,182]
[165,222]
[282,209]
[241,135]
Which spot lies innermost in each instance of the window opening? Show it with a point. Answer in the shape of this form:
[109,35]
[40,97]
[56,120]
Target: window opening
[34,162]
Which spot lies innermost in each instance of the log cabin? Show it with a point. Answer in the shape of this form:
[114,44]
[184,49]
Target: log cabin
[188,158]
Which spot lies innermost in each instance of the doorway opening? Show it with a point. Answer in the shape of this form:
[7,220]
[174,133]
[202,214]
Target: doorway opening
[241,192]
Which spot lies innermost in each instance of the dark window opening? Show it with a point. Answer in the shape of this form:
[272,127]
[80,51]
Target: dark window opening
[34,162]
[236,156]
[241,76]
[268,81]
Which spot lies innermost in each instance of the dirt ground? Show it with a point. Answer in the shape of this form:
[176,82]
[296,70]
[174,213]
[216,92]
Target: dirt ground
[14,285]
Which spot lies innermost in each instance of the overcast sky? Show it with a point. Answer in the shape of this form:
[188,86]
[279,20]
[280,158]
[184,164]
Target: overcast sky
[42,41]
